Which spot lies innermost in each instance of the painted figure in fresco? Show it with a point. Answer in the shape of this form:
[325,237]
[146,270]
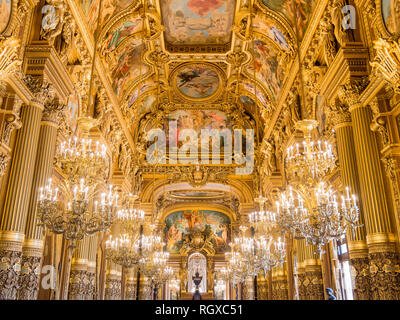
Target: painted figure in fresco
[197,81]
[221,235]
[198,21]
[5,6]
[266,66]
[181,223]
[122,32]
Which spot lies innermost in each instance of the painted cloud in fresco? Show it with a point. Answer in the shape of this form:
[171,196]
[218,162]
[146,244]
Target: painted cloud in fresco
[198,21]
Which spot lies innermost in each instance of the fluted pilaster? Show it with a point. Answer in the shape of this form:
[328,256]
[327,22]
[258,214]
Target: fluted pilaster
[380,236]
[15,210]
[31,255]
[356,239]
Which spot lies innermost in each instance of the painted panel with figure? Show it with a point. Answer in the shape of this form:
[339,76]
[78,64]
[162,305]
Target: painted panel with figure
[109,8]
[197,81]
[198,21]
[268,70]
[127,68]
[298,12]
[180,223]
[391,15]
[5,14]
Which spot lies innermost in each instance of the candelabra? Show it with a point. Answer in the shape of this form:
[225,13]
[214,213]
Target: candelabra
[310,160]
[79,218]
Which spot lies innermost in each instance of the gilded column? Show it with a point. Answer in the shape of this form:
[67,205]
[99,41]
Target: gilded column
[130,285]
[301,271]
[79,278]
[280,283]
[383,260]
[313,278]
[33,244]
[262,287]
[12,227]
[356,239]
[113,282]
[91,291]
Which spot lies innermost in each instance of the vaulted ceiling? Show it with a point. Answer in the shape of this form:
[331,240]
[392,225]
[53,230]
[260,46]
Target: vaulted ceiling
[197,53]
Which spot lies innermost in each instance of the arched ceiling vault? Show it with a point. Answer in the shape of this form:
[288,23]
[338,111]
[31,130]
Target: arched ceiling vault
[163,56]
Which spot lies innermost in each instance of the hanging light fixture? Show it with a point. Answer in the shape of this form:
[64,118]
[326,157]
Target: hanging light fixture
[309,160]
[79,218]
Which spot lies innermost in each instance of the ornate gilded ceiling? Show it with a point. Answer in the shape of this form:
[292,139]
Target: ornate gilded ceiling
[194,52]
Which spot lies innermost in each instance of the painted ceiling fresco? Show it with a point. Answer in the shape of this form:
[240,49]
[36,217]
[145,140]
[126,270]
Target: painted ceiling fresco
[391,15]
[298,12]
[126,67]
[268,27]
[196,194]
[266,67]
[116,36]
[108,10]
[180,223]
[197,81]
[197,21]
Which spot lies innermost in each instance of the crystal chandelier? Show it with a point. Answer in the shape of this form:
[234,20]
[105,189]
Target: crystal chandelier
[325,218]
[82,158]
[79,218]
[244,255]
[124,250]
[310,160]
[268,257]
[129,217]
[289,212]
[237,270]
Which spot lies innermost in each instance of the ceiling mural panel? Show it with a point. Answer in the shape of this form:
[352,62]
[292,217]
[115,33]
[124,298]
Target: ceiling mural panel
[391,15]
[192,22]
[298,12]
[197,81]
[109,9]
[268,27]
[126,67]
[5,14]
[115,36]
[197,120]
[181,223]
[266,66]
[260,96]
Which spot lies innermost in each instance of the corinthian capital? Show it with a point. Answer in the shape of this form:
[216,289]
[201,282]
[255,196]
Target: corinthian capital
[42,91]
[53,111]
[350,92]
[338,113]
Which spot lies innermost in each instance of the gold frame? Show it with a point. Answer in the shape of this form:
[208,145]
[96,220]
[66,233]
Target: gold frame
[212,97]
[12,20]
